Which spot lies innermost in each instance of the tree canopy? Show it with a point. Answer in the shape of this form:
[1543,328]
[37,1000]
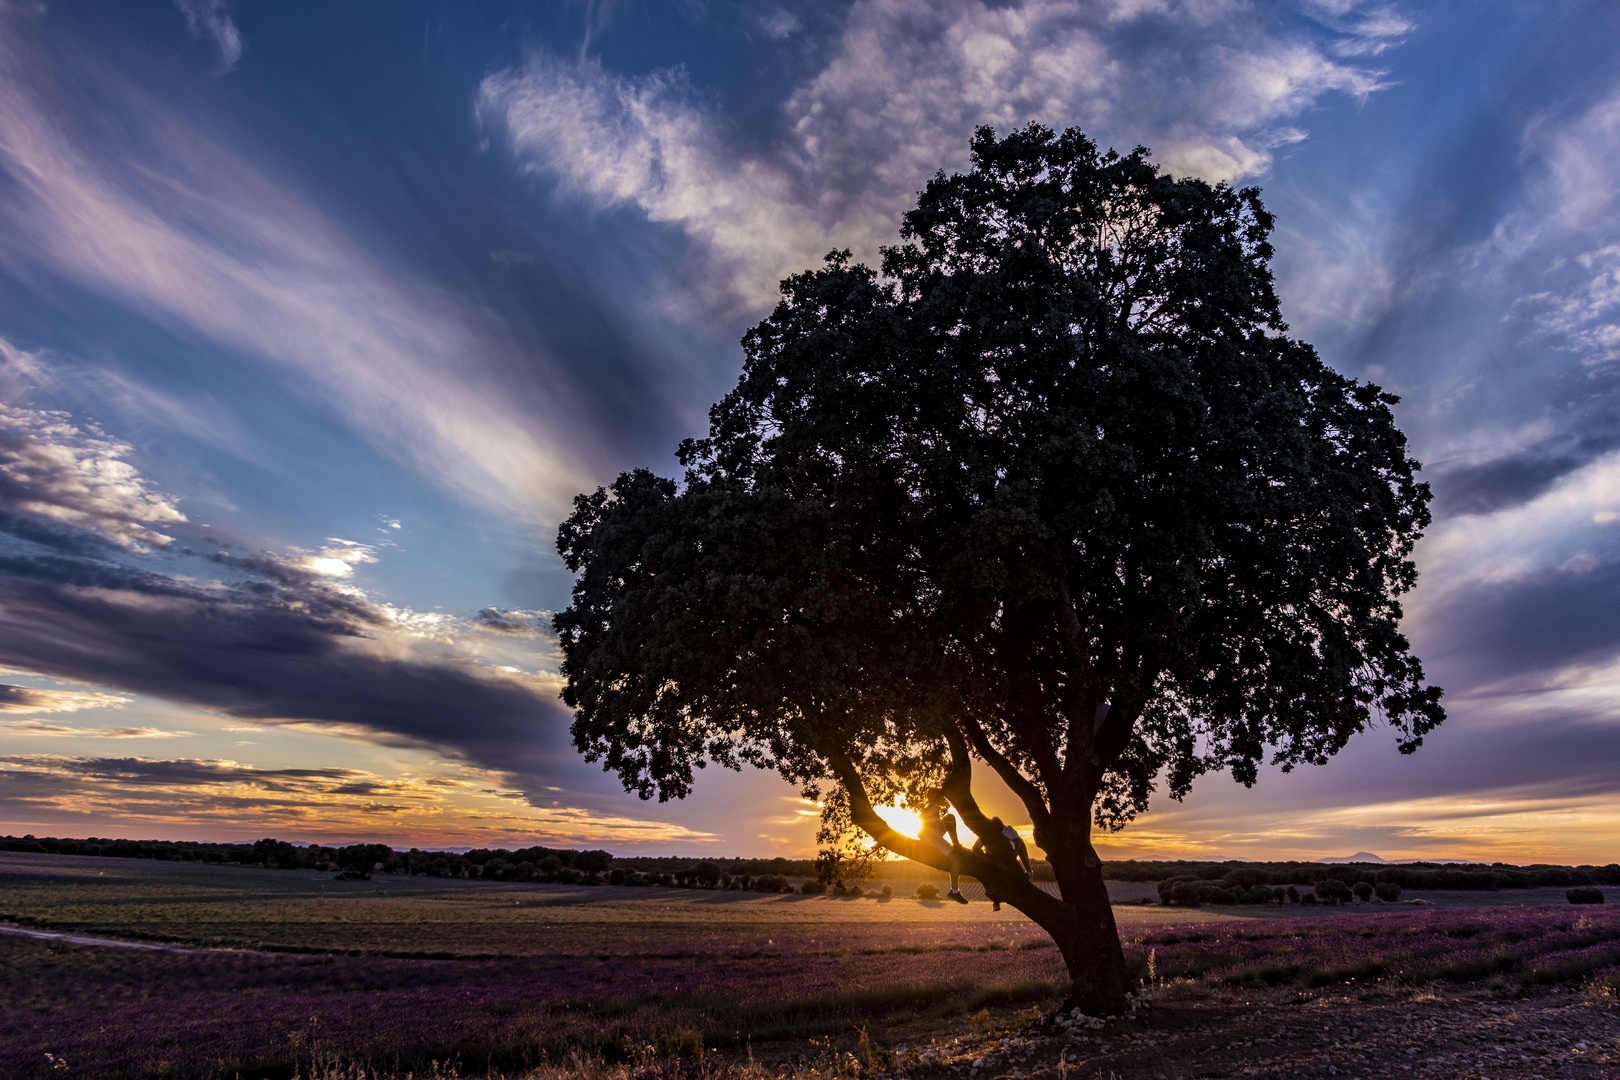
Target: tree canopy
[1053,491]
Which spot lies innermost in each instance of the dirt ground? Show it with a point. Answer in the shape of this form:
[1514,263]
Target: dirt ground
[1187,1032]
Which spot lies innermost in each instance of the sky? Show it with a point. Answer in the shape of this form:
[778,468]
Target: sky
[315,317]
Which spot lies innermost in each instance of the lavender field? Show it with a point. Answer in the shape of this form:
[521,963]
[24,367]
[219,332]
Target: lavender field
[534,972]
[1531,945]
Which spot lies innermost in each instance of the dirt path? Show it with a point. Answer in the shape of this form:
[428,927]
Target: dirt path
[1417,1034]
[81,939]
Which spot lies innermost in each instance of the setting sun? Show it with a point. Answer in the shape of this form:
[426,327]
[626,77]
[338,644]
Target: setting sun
[909,822]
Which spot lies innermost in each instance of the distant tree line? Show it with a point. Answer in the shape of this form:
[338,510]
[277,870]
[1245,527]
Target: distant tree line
[543,864]
[1239,880]
[1466,876]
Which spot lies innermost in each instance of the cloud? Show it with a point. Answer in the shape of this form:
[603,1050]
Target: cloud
[20,370]
[1522,569]
[527,623]
[29,700]
[40,727]
[213,17]
[508,258]
[256,635]
[339,558]
[238,799]
[177,225]
[1210,85]
[50,468]
[1496,314]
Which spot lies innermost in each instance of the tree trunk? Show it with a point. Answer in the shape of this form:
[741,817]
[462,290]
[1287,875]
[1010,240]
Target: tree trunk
[1089,942]
[1081,923]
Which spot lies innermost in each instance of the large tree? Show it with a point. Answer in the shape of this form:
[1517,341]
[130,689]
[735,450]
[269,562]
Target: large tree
[1053,493]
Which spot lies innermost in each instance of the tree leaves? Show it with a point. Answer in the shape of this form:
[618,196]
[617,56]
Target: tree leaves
[1057,461]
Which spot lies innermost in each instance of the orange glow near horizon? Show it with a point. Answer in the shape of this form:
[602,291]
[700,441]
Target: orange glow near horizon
[909,823]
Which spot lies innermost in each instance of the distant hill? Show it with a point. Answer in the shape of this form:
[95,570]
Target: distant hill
[1369,857]
[1358,857]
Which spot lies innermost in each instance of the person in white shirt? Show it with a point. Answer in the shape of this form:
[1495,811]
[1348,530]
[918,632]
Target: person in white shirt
[1015,843]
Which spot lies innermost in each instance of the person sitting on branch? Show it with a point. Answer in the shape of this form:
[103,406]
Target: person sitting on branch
[937,823]
[1013,845]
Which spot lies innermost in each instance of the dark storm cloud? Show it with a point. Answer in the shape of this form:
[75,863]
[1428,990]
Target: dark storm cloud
[266,637]
[265,650]
[1496,485]
[1538,623]
[513,622]
[1507,481]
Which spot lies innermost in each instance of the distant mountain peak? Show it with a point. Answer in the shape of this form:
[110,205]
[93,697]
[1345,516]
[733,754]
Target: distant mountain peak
[1358,857]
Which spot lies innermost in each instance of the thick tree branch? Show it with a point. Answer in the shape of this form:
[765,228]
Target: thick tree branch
[1084,693]
[958,784]
[1026,790]
[1113,736]
[1004,876]
[872,823]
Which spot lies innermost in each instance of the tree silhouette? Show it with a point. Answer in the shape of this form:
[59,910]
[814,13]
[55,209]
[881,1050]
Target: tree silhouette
[1054,492]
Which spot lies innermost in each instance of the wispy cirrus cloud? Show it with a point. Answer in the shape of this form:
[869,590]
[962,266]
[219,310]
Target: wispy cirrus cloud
[176,224]
[1522,570]
[904,87]
[213,17]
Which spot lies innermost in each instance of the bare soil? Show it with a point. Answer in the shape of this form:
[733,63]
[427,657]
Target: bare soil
[1187,1032]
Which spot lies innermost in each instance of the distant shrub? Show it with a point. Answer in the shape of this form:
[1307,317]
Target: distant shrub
[1306,899]
[1387,891]
[925,891]
[1279,894]
[888,890]
[770,883]
[1245,878]
[1167,890]
[813,887]
[1584,894]
[1363,890]
[1257,894]
[1333,892]
[1293,894]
